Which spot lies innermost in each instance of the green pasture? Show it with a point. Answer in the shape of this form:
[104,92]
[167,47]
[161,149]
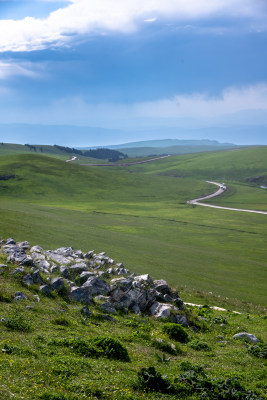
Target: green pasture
[139,216]
[235,164]
[49,350]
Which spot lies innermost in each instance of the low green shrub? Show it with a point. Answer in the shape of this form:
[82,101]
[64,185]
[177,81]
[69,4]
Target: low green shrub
[188,366]
[111,348]
[162,358]
[61,321]
[199,345]
[16,321]
[99,346]
[221,319]
[194,382]
[258,350]
[80,346]
[176,332]
[150,379]
[165,346]
[5,298]
[21,351]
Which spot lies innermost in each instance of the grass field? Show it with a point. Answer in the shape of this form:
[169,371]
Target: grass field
[139,214]
[49,351]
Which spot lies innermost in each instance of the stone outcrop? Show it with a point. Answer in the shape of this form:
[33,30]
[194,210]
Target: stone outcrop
[87,277]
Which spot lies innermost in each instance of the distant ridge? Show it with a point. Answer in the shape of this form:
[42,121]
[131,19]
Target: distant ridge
[161,147]
[170,142]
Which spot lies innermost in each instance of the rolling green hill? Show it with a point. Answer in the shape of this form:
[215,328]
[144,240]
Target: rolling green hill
[56,348]
[139,213]
[62,153]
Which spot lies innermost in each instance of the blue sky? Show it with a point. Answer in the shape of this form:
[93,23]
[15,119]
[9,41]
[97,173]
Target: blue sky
[189,69]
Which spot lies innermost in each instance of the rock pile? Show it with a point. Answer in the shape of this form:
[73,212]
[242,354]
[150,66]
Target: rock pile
[86,277]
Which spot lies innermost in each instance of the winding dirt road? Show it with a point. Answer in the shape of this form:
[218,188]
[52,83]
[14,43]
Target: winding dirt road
[126,164]
[222,188]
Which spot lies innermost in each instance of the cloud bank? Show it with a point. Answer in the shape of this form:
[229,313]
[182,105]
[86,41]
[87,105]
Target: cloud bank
[86,17]
[195,107]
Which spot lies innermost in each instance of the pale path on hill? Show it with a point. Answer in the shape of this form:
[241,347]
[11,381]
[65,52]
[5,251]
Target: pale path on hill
[126,164]
[222,188]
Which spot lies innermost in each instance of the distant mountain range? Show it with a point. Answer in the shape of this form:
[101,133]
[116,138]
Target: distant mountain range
[168,146]
[170,143]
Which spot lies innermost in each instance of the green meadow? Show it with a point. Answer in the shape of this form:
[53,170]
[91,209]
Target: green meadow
[139,215]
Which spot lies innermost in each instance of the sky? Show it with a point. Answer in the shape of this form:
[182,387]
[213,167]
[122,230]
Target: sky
[138,69]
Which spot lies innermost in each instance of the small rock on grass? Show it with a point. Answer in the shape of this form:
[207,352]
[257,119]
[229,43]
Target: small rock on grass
[246,336]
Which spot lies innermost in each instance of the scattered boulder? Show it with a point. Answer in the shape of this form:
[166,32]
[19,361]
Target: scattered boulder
[108,308]
[246,336]
[57,284]
[2,267]
[167,298]
[65,251]
[137,293]
[19,296]
[36,276]
[78,268]
[81,294]
[179,319]
[96,286]
[160,310]
[10,241]
[143,279]
[24,245]
[85,275]
[36,249]
[161,286]
[58,258]
[85,311]
[64,271]
[16,271]
[45,289]
[28,280]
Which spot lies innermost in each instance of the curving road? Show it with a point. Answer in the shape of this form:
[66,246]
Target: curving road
[126,164]
[221,189]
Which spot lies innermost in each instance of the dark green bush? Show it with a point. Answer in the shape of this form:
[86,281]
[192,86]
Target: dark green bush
[258,350]
[61,321]
[150,379]
[5,298]
[197,382]
[188,366]
[99,346]
[80,346]
[176,332]
[199,345]
[111,348]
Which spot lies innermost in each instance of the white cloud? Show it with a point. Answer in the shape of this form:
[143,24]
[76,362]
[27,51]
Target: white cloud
[195,107]
[201,106]
[91,17]
[11,68]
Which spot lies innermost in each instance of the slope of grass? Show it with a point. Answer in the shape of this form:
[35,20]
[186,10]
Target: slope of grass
[48,353]
[235,165]
[142,216]
[172,150]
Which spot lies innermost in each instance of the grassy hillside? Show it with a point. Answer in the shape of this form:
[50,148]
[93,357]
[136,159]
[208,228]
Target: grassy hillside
[236,165]
[172,150]
[51,351]
[59,152]
[140,214]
